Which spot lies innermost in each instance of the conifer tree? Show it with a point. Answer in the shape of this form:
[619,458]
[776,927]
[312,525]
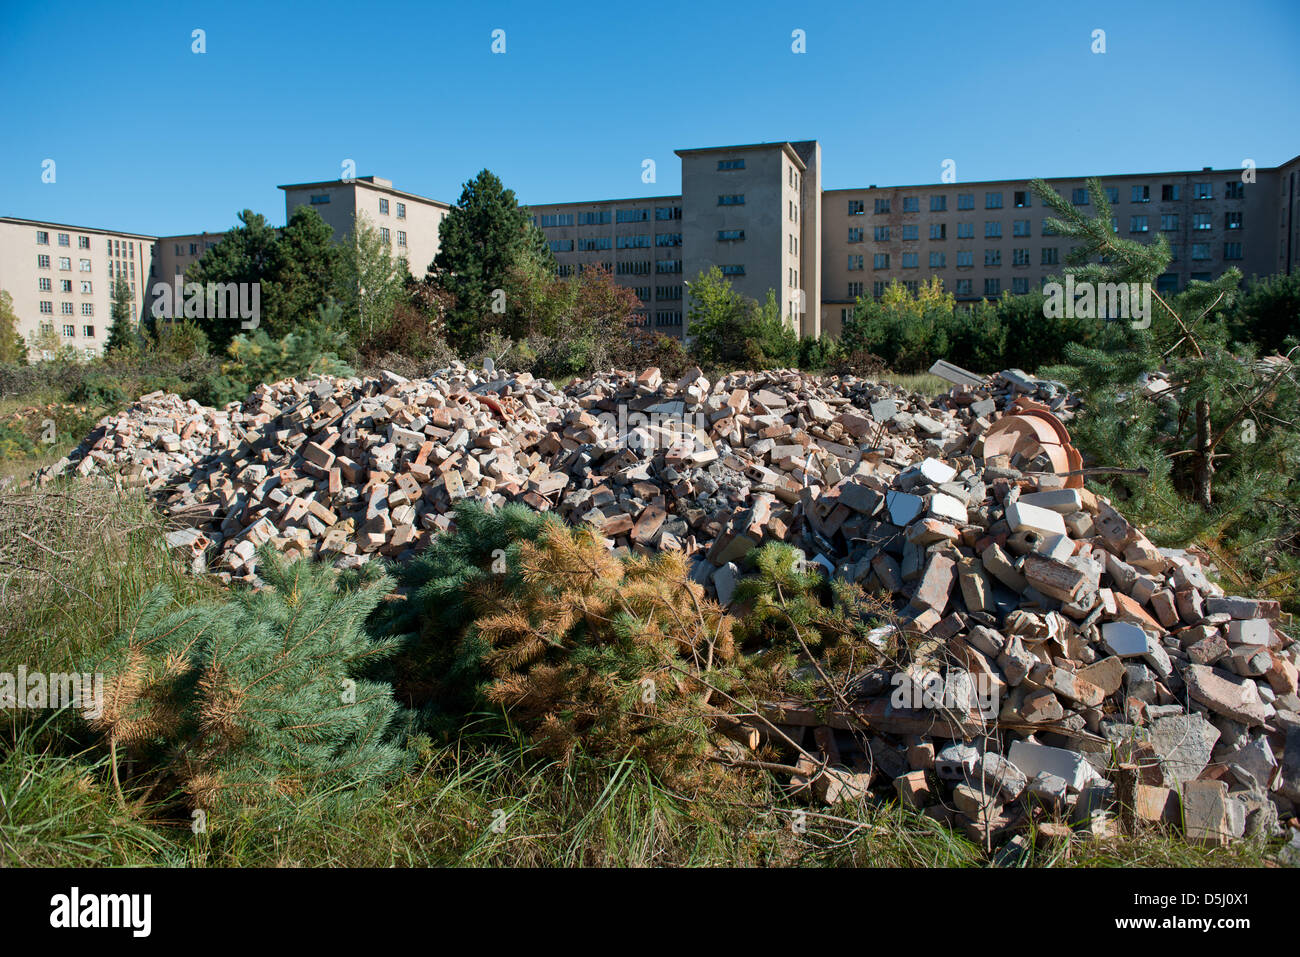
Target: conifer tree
[257,702]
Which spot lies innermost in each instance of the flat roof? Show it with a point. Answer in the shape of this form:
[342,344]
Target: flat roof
[601,202]
[782,144]
[80,229]
[1050,179]
[366,181]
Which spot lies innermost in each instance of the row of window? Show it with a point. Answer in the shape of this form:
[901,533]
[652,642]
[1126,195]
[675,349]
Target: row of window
[67,308]
[116,247]
[993,286]
[1169,222]
[602,217]
[1169,193]
[1049,256]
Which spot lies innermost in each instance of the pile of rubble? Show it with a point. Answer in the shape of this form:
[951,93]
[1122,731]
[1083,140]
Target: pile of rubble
[1065,668]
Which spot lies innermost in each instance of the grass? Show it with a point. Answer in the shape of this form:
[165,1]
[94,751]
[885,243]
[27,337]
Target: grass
[922,382]
[482,800]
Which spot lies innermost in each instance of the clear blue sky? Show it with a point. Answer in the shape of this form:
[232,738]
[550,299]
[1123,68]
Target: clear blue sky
[150,137]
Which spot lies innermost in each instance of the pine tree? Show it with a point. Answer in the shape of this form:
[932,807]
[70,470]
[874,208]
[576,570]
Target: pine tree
[483,237]
[122,334]
[12,347]
[257,702]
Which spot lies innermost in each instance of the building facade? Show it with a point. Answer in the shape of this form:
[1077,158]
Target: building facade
[62,277]
[406,222]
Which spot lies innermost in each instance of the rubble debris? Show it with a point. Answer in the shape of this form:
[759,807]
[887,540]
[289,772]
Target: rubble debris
[968,512]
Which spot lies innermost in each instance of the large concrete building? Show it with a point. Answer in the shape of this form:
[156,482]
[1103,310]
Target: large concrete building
[758,212]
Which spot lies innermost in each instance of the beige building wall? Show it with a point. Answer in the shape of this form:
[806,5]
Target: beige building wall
[986,238]
[175,254]
[409,222]
[61,278]
[638,240]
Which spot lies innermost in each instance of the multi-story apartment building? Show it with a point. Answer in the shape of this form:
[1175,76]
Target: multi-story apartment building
[62,278]
[407,222]
[758,212]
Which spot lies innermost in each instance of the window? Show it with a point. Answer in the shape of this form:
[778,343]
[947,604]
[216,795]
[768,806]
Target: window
[1047,228]
[1200,277]
[911,260]
[938,260]
[65,263]
[383,207]
[737,269]
[881,234]
[1234,189]
[668,318]
[1079,197]
[911,204]
[730,235]
[668,266]
[85,287]
[1169,193]
[87,308]
[964,287]
[1200,251]
[1173,252]
[47,307]
[1232,250]
[1138,224]
[640,241]
[855,234]
[83,242]
[855,290]
[384,235]
[911,285]
[88,332]
[1114,224]
[938,230]
[880,261]
[1050,256]
[194,249]
[992,287]
[64,240]
[939,204]
[911,232]
[598,218]
[668,292]
[992,200]
[557,219]
[992,230]
[65,285]
[1141,194]
[732,199]
[1232,219]
[668,239]
[1203,191]
[1020,285]
[557,245]
[668,213]
[1168,222]
[965,258]
[1020,257]
[44,284]
[1022,198]
[965,200]
[857,207]
[965,230]
[598,242]
[1202,221]
[1112,194]
[1020,227]
[993,257]
[1167,283]
[65,308]
[42,238]
[317,199]
[641,268]
[401,210]
[564,269]
[878,288]
[69,331]
[401,238]
[855,263]
[632,216]
[882,205]
[731,164]
[84,264]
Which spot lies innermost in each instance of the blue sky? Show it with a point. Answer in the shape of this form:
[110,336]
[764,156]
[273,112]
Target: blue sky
[150,137]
